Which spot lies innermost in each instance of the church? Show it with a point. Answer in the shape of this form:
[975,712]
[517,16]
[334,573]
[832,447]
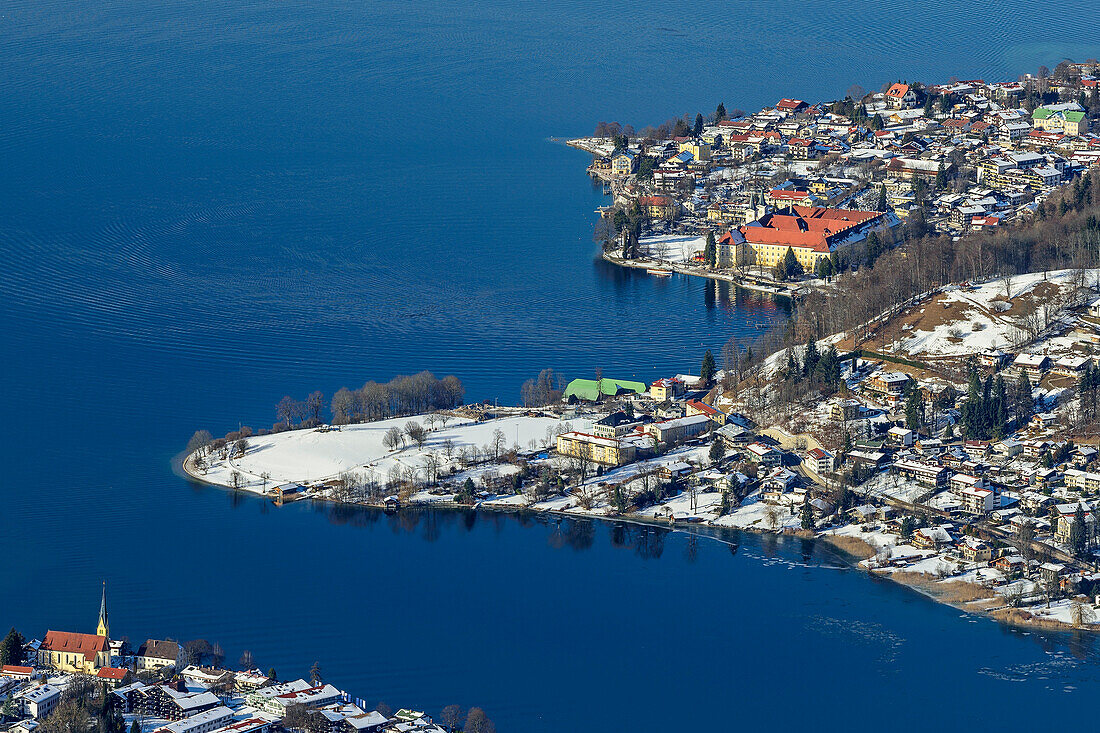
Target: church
[68,651]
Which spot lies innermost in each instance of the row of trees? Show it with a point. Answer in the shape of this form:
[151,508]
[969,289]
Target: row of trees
[546,389]
[402,395]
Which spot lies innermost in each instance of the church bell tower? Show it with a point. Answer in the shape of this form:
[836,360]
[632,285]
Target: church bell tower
[103,628]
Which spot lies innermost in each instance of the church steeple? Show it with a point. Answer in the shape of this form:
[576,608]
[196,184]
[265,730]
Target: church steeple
[103,628]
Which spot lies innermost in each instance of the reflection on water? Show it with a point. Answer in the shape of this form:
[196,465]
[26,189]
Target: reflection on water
[648,542]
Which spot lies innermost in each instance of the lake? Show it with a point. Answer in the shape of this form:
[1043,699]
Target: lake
[206,206]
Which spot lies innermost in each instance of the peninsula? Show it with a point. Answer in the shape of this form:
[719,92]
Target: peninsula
[930,408]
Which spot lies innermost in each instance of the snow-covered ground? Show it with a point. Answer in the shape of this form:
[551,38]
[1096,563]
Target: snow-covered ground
[672,247]
[309,456]
[978,318]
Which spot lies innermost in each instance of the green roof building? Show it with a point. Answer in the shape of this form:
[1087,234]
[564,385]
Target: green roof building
[591,390]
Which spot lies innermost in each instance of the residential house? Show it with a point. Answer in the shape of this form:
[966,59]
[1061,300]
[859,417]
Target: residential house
[1067,518]
[679,429]
[666,389]
[974,550]
[623,163]
[763,454]
[900,96]
[38,702]
[698,407]
[925,474]
[903,437]
[819,461]
[1033,365]
[156,654]
[932,538]
[889,384]
[976,501]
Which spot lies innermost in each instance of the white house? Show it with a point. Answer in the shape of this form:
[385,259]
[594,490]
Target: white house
[38,702]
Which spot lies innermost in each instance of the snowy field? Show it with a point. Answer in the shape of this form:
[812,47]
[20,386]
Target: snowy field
[672,247]
[308,456]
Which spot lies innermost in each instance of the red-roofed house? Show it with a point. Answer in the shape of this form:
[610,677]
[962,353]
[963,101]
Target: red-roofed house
[16,671]
[113,676]
[900,96]
[801,149]
[697,407]
[657,207]
[791,105]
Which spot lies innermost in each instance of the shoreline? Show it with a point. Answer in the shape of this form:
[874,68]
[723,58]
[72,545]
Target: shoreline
[647,264]
[851,551]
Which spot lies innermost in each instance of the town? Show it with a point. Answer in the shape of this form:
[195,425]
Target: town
[73,681]
[969,477]
[929,410]
[798,191]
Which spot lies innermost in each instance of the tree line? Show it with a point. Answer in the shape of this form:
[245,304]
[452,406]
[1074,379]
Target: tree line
[402,395]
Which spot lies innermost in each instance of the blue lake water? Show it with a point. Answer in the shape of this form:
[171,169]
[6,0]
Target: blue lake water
[205,206]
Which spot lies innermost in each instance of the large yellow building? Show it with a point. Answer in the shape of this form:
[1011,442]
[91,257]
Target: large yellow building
[809,232]
[699,149]
[68,651]
[607,451]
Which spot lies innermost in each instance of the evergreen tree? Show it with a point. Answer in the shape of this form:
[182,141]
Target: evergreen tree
[876,122]
[928,105]
[941,177]
[914,409]
[708,368]
[710,251]
[986,408]
[791,265]
[882,200]
[1078,536]
[906,529]
[1022,402]
[720,113]
[697,130]
[807,514]
[970,416]
[717,451]
[810,358]
[828,369]
[11,648]
[793,372]
[999,409]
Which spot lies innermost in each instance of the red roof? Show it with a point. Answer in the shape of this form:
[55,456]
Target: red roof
[809,227]
[111,673]
[65,641]
[897,91]
[702,407]
[786,193]
[653,201]
[15,669]
[790,104]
